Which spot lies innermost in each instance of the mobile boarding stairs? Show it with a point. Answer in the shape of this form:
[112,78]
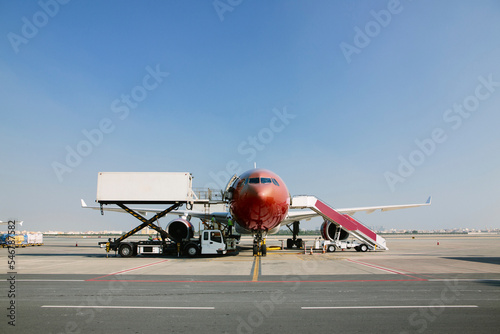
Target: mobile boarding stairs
[346,222]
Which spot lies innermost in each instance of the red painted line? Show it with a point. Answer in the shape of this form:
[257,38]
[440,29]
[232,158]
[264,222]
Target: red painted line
[385,269]
[126,270]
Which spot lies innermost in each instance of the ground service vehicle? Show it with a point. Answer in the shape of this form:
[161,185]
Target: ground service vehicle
[174,189]
[333,245]
[210,242]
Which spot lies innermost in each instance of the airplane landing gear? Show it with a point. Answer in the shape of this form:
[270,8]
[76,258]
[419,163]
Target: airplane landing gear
[259,245]
[294,241]
[255,250]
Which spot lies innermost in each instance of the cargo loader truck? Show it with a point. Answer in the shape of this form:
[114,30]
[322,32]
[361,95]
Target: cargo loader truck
[174,189]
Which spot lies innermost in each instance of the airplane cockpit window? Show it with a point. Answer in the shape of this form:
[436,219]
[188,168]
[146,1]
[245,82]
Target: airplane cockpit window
[253,180]
[276,182]
[265,180]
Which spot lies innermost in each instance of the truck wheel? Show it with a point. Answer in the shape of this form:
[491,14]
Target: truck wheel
[363,248]
[191,250]
[357,248]
[331,248]
[125,250]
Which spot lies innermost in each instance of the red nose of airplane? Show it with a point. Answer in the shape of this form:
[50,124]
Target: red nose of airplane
[259,205]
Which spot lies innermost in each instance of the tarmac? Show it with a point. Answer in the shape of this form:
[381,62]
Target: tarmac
[430,284]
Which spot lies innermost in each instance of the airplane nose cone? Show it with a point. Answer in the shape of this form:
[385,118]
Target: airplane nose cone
[256,208]
[258,193]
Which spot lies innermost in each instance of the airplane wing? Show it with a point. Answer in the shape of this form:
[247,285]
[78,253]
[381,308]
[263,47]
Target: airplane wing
[292,216]
[220,216]
[308,214]
[114,209]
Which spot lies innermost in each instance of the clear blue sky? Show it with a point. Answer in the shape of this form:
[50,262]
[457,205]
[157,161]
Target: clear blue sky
[193,86]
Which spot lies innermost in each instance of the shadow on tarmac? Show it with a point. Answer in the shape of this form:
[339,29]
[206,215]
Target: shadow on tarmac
[489,260]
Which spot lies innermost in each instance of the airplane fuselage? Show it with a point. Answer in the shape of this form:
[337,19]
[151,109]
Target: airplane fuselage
[260,200]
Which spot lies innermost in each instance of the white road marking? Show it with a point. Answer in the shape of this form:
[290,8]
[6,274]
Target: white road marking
[50,280]
[391,271]
[463,279]
[132,307]
[382,307]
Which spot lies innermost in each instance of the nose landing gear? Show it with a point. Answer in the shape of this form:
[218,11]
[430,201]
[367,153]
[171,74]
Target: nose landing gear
[260,249]
[259,245]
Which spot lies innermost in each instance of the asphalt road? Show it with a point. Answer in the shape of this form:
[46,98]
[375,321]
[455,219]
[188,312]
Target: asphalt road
[147,304]
[345,292]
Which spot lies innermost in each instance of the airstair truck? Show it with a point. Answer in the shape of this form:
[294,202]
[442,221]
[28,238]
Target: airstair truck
[174,189]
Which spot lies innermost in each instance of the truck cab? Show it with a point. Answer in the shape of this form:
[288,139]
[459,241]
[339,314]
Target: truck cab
[210,242]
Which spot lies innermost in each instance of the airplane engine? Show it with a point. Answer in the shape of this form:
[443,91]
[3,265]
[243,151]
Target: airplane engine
[241,230]
[328,230]
[274,230]
[179,229]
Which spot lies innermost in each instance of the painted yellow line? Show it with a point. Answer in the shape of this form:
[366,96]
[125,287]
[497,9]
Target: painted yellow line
[256,269]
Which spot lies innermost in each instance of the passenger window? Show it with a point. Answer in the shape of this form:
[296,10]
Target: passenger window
[265,180]
[205,236]
[276,182]
[253,180]
[216,237]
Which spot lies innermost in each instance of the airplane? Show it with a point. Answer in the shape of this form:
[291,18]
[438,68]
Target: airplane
[259,204]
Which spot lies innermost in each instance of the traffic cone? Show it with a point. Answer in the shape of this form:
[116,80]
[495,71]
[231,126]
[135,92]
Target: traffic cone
[76,244]
[311,250]
[323,249]
[438,243]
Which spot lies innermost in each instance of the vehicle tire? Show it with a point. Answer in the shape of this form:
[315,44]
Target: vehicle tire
[263,250]
[331,248]
[363,248]
[357,248]
[191,250]
[299,243]
[289,243]
[255,250]
[125,250]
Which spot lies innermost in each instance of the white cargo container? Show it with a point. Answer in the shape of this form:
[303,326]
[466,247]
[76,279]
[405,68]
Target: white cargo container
[39,239]
[31,239]
[152,188]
